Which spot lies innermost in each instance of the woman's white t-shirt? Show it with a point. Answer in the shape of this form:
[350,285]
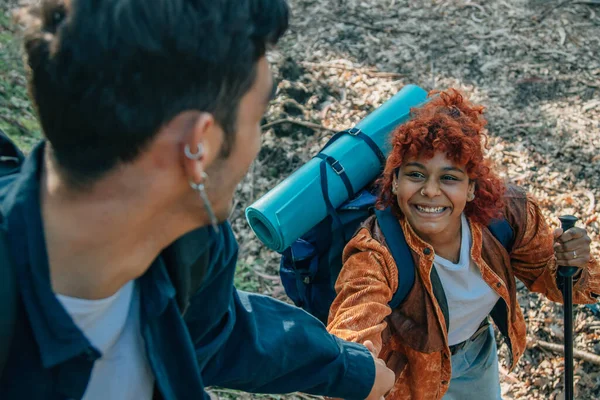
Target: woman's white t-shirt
[470,299]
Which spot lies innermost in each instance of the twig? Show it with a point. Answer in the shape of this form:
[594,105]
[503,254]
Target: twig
[338,66]
[547,188]
[234,214]
[369,27]
[296,122]
[592,200]
[564,3]
[479,7]
[348,22]
[384,74]
[306,396]
[507,376]
[551,9]
[367,71]
[590,84]
[526,125]
[559,348]
[252,181]
[274,278]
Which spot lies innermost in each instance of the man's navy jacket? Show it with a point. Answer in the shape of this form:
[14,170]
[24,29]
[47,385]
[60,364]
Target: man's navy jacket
[224,337]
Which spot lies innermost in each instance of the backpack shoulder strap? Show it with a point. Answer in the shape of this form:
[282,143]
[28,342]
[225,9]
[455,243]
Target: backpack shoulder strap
[503,232]
[400,252]
[390,228]
[8,301]
[440,296]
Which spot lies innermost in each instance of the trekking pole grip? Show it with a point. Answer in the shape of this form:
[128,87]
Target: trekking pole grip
[567,222]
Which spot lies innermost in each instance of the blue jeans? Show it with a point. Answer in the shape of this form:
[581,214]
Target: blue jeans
[475,373]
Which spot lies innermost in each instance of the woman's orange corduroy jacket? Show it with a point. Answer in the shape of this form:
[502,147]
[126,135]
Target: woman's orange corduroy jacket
[412,339]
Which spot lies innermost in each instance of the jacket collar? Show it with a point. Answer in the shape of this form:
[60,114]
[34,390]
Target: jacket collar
[424,249]
[55,333]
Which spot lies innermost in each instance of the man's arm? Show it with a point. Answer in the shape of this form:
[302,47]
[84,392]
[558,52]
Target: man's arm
[273,347]
[258,344]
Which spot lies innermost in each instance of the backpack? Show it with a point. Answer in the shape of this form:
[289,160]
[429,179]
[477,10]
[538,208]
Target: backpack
[310,266]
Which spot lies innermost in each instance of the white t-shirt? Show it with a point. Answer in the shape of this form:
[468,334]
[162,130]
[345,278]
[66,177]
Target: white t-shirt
[470,299]
[112,325]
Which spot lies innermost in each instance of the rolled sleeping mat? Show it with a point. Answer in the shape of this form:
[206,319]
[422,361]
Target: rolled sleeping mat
[298,203]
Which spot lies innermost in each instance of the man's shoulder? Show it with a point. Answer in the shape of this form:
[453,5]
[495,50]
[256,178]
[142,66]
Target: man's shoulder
[202,260]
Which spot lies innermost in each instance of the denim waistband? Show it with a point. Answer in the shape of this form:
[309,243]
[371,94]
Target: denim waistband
[483,327]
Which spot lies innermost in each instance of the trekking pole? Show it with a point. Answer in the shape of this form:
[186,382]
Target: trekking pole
[566,273]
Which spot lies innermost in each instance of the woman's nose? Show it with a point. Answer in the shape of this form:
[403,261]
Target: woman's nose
[430,189]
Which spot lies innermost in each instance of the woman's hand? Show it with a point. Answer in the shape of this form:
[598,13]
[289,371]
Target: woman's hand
[572,248]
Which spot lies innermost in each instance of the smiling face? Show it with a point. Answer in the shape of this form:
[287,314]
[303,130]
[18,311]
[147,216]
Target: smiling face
[432,194]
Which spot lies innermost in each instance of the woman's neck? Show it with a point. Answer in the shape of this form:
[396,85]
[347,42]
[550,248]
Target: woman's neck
[446,244]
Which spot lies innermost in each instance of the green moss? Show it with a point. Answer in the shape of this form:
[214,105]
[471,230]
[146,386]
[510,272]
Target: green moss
[17,115]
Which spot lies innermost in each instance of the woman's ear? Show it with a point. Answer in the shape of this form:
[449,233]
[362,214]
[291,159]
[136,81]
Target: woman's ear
[395,183]
[471,191]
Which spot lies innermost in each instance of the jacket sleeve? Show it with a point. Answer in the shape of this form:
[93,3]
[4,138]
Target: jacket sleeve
[273,347]
[534,263]
[365,286]
[256,343]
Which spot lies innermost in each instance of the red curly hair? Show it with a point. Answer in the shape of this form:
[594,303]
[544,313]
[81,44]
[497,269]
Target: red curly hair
[450,124]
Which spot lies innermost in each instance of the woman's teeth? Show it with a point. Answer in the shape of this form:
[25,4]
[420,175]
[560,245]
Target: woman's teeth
[431,210]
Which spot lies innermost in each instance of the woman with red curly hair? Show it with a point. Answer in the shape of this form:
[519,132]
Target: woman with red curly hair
[445,193]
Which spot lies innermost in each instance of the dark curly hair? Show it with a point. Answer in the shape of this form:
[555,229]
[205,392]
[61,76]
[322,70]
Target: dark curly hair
[450,124]
[106,75]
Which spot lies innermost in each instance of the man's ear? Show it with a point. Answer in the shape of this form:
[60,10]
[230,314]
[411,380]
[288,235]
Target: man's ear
[201,146]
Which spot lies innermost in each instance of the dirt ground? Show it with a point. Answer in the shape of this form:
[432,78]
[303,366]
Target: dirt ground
[535,65]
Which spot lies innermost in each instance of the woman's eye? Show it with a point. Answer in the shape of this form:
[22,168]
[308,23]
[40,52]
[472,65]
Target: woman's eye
[415,174]
[449,178]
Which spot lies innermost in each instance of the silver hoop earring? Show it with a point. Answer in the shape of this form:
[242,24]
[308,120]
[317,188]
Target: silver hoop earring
[201,189]
[423,192]
[194,156]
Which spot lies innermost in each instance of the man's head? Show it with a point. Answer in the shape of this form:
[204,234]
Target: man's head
[110,77]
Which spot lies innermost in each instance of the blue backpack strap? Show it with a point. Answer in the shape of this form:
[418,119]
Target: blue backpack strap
[396,242]
[503,232]
[338,168]
[325,190]
[440,296]
[391,228]
[359,134]
[365,138]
